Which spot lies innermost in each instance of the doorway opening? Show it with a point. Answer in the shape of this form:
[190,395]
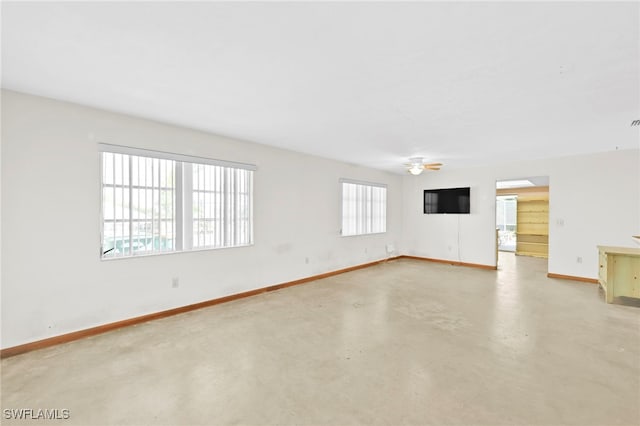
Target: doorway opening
[522,217]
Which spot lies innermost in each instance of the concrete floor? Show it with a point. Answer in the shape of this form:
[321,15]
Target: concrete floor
[406,342]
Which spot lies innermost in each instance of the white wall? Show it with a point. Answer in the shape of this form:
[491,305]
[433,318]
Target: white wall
[52,279]
[54,283]
[596,197]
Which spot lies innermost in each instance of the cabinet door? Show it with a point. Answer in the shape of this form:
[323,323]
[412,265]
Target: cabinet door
[626,276]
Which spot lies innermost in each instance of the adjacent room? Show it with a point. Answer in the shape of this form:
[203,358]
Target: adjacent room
[333,213]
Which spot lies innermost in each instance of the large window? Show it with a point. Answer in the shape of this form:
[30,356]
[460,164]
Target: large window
[364,208]
[157,202]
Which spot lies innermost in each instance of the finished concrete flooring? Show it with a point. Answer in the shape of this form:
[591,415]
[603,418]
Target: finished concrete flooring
[406,342]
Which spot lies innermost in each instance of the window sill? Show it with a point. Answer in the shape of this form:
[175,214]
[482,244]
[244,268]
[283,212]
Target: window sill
[167,253]
[362,235]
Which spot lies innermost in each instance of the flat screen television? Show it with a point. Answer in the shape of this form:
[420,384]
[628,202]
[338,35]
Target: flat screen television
[448,200]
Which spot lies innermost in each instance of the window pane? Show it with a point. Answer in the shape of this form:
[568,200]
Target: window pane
[138,214]
[364,209]
[221,203]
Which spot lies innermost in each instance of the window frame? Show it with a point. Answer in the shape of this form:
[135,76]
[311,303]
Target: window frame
[344,181]
[182,221]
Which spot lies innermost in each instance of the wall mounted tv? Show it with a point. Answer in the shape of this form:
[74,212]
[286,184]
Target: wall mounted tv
[449,200]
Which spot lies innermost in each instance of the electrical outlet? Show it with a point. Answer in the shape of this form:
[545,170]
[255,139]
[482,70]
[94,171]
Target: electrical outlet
[175,282]
[579,259]
[306,260]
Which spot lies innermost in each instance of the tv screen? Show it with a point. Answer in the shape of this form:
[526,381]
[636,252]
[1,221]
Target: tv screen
[449,200]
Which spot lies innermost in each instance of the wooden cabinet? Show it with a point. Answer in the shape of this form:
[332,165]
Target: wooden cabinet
[619,272]
[532,236]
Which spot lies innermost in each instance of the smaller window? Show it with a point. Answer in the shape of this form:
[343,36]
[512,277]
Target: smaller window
[221,206]
[364,208]
[138,205]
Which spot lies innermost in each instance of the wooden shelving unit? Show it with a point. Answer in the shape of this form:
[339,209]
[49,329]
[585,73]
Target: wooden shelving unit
[533,225]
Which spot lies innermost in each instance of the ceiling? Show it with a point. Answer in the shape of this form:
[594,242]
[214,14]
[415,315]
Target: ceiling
[532,181]
[367,83]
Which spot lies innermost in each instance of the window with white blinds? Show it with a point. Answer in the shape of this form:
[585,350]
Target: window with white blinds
[157,202]
[364,208]
[138,205]
[221,206]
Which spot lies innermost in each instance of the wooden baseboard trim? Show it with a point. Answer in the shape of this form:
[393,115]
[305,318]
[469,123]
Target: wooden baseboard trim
[572,278]
[76,335]
[451,262]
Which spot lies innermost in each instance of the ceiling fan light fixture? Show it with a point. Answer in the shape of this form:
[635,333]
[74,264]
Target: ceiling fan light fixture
[415,166]
[416,169]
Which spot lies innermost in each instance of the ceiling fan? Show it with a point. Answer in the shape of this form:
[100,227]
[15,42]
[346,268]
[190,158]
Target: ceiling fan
[417,166]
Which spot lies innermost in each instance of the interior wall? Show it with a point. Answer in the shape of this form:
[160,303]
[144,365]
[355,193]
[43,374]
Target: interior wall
[593,200]
[53,281]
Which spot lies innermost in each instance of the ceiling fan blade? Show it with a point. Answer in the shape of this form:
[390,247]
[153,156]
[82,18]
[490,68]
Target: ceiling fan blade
[425,166]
